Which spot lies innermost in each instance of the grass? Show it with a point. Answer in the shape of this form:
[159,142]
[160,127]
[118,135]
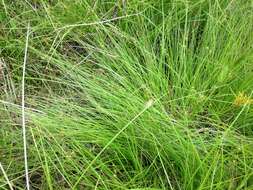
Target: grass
[135,95]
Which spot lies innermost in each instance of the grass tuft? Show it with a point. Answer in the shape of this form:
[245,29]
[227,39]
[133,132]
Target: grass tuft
[133,95]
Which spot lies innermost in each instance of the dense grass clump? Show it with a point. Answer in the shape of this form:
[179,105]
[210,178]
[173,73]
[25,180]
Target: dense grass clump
[140,94]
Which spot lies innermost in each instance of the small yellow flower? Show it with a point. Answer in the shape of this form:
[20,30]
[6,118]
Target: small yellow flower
[242,99]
